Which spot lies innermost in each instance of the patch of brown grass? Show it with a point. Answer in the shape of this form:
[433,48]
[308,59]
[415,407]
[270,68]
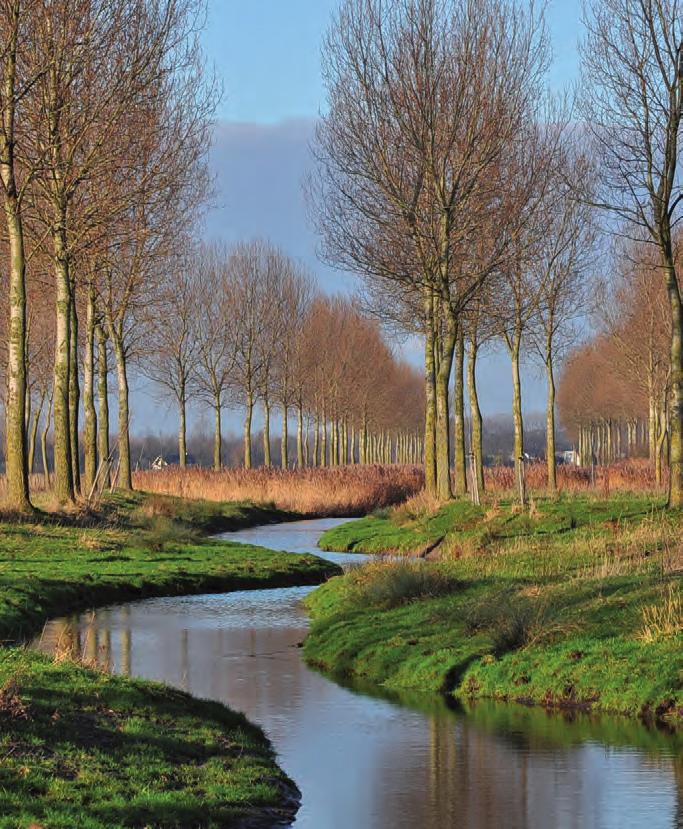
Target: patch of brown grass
[349,490]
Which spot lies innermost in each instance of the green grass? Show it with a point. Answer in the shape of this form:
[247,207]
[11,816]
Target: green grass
[81,748]
[84,749]
[546,607]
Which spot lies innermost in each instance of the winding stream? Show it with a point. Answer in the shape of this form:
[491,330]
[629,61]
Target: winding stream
[365,760]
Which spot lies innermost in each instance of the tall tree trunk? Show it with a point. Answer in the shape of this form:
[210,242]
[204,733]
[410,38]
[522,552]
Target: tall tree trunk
[443,436]
[182,430]
[43,442]
[103,405]
[125,479]
[284,454]
[74,395]
[217,435]
[33,436]
[249,413]
[676,416]
[517,418]
[476,438]
[90,414]
[267,460]
[459,405]
[300,461]
[63,469]
[16,462]
[550,421]
[430,397]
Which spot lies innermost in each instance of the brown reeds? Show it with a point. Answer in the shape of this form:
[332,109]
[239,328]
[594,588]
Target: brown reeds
[348,490]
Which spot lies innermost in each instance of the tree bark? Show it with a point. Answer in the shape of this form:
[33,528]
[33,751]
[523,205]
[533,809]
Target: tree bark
[63,469]
[125,479]
[459,405]
[517,418]
[74,395]
[16,462]
[300,436]
[676,415]
[217,435]
[182,430]
[443,438]
[90,414]
[550,423]
[103,405]
[430,398]
[247,431]
[43,442]
[284,454]
[267,461]
[476,418]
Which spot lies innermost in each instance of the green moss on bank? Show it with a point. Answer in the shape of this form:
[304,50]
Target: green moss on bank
[545,608]
[80,748]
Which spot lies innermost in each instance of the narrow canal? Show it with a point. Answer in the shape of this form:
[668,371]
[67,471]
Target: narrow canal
[367,760]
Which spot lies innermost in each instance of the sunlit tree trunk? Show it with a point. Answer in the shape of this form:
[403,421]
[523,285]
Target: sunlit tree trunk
[125,478]
[63,469]
[217,435]
[284,459]
[103,405]
[475,416]
[43,442]
[16,465]
[267,460]
[300,460]
[74,395]
[33,436]
[430,397]
[443,438]
[182,429]
[517,418]
[550,420]
[90,414]
[676,412]
[459,405]
[248,415]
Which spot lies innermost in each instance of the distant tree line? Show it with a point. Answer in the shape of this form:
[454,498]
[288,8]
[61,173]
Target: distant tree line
[245,326]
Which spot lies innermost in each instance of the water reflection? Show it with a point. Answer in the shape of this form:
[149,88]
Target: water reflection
[363,758]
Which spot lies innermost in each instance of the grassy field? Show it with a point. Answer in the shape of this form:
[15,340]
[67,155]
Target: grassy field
[81,748]
[574,603]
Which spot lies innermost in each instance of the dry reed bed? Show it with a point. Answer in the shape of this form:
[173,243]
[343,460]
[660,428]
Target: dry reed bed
[636,475]
[350,490]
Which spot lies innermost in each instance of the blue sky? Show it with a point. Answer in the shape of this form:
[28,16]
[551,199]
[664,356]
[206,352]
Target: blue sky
[267,55]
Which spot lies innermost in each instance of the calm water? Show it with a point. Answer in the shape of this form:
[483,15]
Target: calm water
[364,760]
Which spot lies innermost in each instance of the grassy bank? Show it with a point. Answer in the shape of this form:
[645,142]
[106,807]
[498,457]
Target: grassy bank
[576,603]
[81,748]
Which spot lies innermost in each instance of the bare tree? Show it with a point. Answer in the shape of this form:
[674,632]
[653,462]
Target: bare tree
[427,100]
[633,101]
[172,348]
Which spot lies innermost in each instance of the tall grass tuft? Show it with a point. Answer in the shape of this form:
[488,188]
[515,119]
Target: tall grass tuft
[391,583]
[664,618]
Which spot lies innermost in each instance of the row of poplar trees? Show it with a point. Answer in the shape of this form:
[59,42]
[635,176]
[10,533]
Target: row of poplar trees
[245,327]
[105,110]
[464,195]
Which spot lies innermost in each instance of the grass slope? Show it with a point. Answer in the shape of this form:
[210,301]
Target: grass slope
[575,605]
[81,748]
